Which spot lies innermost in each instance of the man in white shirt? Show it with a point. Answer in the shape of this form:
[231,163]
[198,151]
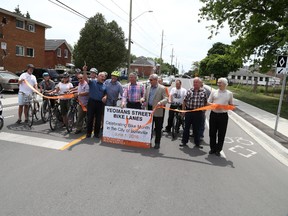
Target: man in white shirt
[219,118]
[176,97]
[25,92]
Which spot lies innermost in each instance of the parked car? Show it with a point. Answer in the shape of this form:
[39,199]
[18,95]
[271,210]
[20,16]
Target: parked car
[186,76]
[8,81]
[167,81]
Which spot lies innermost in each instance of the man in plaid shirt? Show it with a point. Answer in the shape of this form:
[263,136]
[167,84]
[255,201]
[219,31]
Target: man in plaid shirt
[133,93]
[195,97]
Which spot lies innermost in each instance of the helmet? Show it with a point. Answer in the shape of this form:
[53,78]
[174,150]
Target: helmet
[45,74]
[77,70]
[30,66]
[65,74]
[94,70]
[115,73]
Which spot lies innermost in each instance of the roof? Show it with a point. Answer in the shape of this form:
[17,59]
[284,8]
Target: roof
[143,61]
[23,18]
[53,44]
[246,72]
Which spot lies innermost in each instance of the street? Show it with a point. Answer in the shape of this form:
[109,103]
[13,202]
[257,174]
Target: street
[91,177]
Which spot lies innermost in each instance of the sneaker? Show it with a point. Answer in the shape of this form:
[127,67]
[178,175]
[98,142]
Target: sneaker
[77,131]
[18,121]
[26,121]
[217,154]
[183,145]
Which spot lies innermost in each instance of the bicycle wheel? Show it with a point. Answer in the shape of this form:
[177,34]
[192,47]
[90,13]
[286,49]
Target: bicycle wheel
[54,119]
[30,115]
[70,120]
[174,126]
[1,122]
[36,106]
[45,111]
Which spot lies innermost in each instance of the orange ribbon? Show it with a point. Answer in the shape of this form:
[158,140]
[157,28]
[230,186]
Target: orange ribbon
[209,107]
[65,96]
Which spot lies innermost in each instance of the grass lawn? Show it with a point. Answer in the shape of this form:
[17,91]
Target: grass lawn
[267,101]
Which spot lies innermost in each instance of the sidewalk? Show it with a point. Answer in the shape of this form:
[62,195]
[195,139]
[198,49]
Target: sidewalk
[268,119]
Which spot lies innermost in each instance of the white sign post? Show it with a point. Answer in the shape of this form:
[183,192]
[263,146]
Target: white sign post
[281,68]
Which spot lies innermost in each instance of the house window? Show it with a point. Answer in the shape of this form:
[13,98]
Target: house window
[31,27]
[19,50]
[244,77]
[65,53]
[58,52]
[233,76]
[250,78]
[20,24]
[238,77]
[30,52]
[260,78]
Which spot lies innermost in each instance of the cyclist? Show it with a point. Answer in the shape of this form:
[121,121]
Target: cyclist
[25,92]
[83,96]
[62,88]
[114,88]
[176,97]
[47,86]
[93,74]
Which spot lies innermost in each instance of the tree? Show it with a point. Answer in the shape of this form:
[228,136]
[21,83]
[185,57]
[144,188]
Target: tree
[101,45]
[220,61]
[261,27]
[18,12]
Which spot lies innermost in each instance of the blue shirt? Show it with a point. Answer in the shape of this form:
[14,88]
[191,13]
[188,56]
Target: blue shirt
[152,95]
[113,90]
[96,90]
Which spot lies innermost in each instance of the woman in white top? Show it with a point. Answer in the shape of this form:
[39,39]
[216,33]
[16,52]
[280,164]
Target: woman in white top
[62,88]
[219,118]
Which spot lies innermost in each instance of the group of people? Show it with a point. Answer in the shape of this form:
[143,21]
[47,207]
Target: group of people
[96,91]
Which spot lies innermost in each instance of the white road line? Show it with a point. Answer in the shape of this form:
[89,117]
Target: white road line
[11,116]
[34,141]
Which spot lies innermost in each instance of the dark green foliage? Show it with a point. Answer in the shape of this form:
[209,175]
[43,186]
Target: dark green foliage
[101,45]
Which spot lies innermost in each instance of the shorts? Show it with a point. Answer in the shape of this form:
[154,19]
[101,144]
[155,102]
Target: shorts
[24,99]
[64,106]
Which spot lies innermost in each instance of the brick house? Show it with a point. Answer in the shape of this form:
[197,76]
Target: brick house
[144,67]
[57,53]
[22,41]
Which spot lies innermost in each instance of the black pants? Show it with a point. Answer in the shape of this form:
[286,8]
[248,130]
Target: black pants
[217,124]
[158,123]
[132,105]
[171,116]
[94,113]
[194,119]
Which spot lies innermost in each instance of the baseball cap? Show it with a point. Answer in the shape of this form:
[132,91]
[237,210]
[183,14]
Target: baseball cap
[30,66]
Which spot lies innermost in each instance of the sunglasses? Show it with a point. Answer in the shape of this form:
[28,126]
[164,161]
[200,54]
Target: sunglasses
[80,78]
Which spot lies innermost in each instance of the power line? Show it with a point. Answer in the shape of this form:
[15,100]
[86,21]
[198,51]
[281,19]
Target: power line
[69,10]
[120,7]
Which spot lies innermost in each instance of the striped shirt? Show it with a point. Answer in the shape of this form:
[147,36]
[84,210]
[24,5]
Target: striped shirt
[195,99]
[133,93]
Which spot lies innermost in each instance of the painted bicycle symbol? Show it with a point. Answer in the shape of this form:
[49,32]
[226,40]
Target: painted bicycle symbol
[239,149]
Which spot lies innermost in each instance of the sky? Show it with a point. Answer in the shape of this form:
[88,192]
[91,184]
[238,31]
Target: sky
[178,19]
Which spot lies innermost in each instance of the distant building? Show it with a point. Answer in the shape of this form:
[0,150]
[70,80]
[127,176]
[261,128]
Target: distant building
[144,66]
[57,53]
[245,76]
[22,41]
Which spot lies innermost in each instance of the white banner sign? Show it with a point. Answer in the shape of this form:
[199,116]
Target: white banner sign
[120,126]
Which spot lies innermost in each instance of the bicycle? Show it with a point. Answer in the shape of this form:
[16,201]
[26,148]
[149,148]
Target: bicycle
[33,108]
[1,110]
[46,109]
[55,119]
[178,120]
[72,115]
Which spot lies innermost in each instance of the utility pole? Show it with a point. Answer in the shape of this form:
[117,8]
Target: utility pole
[171,60]
[161,62]
[129,38]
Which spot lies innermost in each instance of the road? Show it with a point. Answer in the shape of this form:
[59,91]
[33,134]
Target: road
[96,178]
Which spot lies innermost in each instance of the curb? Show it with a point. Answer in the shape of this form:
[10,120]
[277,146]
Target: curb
[268,143]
